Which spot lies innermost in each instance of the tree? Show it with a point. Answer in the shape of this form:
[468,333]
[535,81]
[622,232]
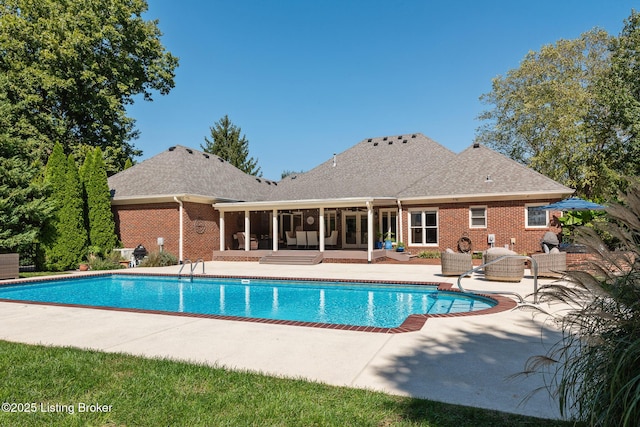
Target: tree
[227,143]
[548,114]
[67,241]
[621,98]
[100,217]
[73,66]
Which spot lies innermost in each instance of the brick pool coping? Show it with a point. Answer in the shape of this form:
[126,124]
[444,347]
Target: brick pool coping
[412,323]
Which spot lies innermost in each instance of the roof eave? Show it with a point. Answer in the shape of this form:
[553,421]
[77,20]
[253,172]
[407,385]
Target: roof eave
[487,197]
[304,204]
[167,198]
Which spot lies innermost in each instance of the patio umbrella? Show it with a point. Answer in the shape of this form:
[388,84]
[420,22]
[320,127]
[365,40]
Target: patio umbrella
[573,204]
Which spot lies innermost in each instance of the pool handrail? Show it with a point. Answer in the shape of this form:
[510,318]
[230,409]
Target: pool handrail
[193,266]
[534,271]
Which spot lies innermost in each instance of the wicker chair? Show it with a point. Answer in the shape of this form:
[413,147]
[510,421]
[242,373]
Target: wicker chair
[455,264]
[9,266]
[507,270]
[551,264]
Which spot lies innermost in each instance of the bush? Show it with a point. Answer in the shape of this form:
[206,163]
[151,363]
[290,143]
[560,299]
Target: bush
[595,369]
[110,262]
[159,259]
[429,254]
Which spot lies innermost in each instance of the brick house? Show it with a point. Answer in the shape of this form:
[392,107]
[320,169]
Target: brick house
[425,195]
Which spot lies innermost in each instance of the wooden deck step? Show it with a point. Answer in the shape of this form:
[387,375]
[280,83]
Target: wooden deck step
[301,258]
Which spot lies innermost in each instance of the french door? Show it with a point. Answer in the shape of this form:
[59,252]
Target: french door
[354,229]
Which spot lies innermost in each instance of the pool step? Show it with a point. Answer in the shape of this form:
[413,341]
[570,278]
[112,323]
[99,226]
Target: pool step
[297,258]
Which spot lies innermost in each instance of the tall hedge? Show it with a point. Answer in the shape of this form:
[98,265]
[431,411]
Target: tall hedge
[101,224]
[68,240]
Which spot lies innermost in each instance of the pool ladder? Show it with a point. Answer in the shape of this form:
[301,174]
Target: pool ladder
[192,268]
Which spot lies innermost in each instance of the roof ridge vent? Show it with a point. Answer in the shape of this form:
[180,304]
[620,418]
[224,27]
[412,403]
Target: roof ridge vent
[189,150]
[221,159]
[206,156]
[172,148]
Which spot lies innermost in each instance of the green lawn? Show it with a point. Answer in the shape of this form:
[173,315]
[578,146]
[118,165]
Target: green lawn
[133,391]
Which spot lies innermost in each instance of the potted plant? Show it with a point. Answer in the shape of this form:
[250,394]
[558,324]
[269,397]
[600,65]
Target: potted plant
[388,240]
[400,247]
[378,244]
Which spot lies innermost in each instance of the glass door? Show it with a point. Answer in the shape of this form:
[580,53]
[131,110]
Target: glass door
[354,230]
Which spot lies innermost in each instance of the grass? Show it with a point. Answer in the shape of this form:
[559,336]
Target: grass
[146,392]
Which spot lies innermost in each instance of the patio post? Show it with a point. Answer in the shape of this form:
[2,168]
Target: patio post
[247,230]
[274,229]
[321,228]
[222,234]
[369,232]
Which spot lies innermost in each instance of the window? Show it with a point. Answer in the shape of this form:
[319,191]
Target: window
[330,223]
[424,227]
[478,217]
[536,218]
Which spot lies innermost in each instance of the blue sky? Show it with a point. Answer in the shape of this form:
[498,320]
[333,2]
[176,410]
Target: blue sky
[305,79]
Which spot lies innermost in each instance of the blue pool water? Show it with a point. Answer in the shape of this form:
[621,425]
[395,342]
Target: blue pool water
[384,306]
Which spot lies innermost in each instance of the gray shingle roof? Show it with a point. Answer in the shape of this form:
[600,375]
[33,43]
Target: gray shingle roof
[409,166]
[479,170]
[375,167]
[181,170]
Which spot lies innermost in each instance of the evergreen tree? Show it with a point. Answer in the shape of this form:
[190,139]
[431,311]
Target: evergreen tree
[68,240]
[24,206]
[101,224]
[227,143]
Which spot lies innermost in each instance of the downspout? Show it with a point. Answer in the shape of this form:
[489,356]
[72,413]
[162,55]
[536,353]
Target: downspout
[178,201]
[401,237]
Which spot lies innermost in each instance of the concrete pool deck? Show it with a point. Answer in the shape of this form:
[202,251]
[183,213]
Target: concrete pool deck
[465,360]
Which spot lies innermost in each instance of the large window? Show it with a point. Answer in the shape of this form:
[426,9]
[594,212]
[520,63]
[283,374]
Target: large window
[424,227]
[535,217]
[478,217]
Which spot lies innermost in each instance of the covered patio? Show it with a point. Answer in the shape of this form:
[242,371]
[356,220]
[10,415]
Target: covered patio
[341,229]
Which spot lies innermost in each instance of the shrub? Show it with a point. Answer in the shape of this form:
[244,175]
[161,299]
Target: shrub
[159,259]
[595,368]
[429,254]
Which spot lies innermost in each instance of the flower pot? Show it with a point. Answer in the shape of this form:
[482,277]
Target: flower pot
[83,267]
[388,244]
[378,245]
[399,249]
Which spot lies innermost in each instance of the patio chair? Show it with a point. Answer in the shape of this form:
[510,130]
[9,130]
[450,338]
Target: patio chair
[506,270]
[9,266]
[455,264]
[242,241]
[553,264]
[312,239]
[291,240]
[332,240]
[301,239]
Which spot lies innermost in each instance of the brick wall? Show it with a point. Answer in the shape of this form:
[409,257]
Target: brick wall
[504,219]
[143,224]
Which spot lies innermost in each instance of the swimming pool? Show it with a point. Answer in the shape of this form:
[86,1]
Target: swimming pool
[333,303]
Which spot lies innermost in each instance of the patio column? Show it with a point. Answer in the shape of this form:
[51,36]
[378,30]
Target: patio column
[321,228]
[247,230]
[222,233]
[275,229]
[369,232]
